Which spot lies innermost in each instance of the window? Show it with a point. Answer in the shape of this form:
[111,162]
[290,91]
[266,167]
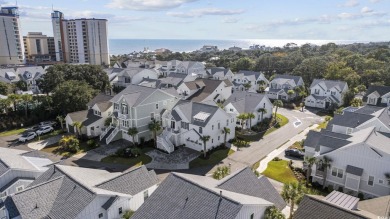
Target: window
[212,140]
[380,181]
[19,188]
[333,93]
[151,116]
[316,91]
[200,130]
[157,106]
[219,137]
[120,210]
[219,125]
[3,194]
[337,172]
[173,124]
[231,109]
[146,195]
[370,180]
[100,215]
[349,131]
[212,127]
[252,216]
[227,122]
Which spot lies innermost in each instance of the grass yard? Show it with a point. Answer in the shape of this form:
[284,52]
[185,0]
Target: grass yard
[213,159]
[280,171]
[282,121]
[137,161]
[56,149]
[297,145]
[12,132]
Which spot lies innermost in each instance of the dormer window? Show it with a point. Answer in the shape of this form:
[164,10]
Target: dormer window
[316,91]
[96,112]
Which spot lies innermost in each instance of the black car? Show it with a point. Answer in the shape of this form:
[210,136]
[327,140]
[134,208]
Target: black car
[294,153]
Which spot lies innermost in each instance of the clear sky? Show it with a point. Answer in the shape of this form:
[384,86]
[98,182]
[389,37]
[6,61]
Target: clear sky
[220,19]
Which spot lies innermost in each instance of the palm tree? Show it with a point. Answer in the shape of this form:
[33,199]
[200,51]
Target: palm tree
[262,111]
[4,105]
[226,131]
[61,121]
[310,161]
[15,99]
[277,104]
[292,193]
[242,117]
[250,116]
[324,163]
[290,93]
[154,126]
[78,126]
[205,139]
[273,213]
[132,132]
[26,98]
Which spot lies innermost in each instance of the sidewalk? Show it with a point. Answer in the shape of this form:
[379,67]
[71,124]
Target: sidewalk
[39,145]
[276,152]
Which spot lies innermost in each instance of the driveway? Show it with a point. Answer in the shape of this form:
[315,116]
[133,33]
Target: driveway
[298,122]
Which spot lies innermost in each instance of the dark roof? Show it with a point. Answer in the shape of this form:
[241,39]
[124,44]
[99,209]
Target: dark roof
[140,179]
[382,90]
[354,170]
[109,202]
[86,117]
[98,99]
[312,139]
[214,70]
[205,86]
[311,207]
[247,73]
[350,119]
[34,153]
[180,198]
[368,109]
[246,182]
[326,138]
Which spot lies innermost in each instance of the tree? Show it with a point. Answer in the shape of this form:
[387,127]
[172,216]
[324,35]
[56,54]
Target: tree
[78,126]
[290,93]
[21,85]
[221,172]
[324,164]
[273,212]
[70,143]
[26,98]
[247,86]
[244,63]
[154,126]
[277,104]
[127,214]
[226,131]
[242,117]
[15,98]
[292,193]
[72,96]
[250,116]
[356,102]
[310,161]
[132,132]
[4,88]
[4,105]
[262,111]
[61,120]
[205,139]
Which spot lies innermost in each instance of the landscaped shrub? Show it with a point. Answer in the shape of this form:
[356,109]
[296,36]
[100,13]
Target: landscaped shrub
[360,196]
[221,172]
[70,144]
[92,143]
[276,159]
[330,188]
[340,189]
[120,152]
[136,152]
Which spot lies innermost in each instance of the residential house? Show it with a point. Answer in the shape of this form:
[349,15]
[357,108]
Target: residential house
[18,169]
[8,75]
[132,76]
[137,106]
[191,67]
[255,81]
[172,80]
[167,67]
[75,192]
[281,84]
[93,118]
[208,48]
[245,102]
[220,73]
[378,206]
[326,94]
[206,90]
[359,161]
[360,118]
[334,205]
[239,195]
[31,75]
[377,95]
[235,49]
[188,122]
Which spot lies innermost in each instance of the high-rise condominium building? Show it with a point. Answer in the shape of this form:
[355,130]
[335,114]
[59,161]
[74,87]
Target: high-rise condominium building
[82,40]
[39,48]
[11,47]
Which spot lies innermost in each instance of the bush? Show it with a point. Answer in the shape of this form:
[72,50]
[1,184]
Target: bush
[330,188]
[360,196]
[340,189]
[136,152]
[70,144]
[92,143]
[120,152]
[276,159]
[221,172]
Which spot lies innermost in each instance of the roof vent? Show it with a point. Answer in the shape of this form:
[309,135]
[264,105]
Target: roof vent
[220,194]
[36,206]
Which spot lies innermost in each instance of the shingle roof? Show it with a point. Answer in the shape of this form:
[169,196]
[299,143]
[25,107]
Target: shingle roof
[340,85]
[351,119]
[14,181]
[206,86]
[140,179]
[312,207]
[382,90]
[3,167]
[326,138]
[244,101]
[289,77]
[180,198]
[368,109]
[134,94]
[245,182]
[248,73]
[190,109]
[354,170]
[86,117]
[377,206]
[99,99]
[109,202]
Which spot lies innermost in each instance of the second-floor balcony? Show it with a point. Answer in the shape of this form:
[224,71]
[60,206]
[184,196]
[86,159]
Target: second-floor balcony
[123,116]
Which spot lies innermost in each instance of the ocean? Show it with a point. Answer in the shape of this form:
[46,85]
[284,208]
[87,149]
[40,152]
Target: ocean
[125,46]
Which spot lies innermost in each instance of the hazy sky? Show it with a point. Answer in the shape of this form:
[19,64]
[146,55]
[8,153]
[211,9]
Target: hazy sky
[220,19]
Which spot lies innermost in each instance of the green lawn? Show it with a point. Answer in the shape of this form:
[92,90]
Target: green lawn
[282,121]
[213,159]
[56,149]
[297,145]
[48,135]
[138,161]
[12,132]
[280,171]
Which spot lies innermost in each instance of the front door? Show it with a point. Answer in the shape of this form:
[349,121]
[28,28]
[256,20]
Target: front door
[327,104]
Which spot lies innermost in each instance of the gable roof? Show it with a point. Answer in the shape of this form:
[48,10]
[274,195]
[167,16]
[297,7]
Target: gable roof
[329,84]
[351,119]
[382,90]
[214,70]
[35,71]
[5,74]
[250,73]
[14,159]
[190,109]
[288,77]
[100,98]
[377,206]
[244,101]
[315,207]
[86,117]
[206,87]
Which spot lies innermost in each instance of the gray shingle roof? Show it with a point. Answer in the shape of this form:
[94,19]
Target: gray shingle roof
[246,182]
[134,94]
[86,117]
[14,181]
[206,86]
[99,99]
[311,207]
[290,77]
[140,179]
[368,109]
[351,119]
[329,84]
[3,167]
[382,90]
[190,109]
[248,73]
[354,170]
[326,138]
[179,198]
[245,102]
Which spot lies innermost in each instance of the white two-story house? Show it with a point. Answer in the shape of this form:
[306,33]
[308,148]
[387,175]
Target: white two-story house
[326,94]
[129,76]
[255,80]
[81,193]
[205,90]
[377,95]
[137,106]
[220,73]
[31,75]
[245,102]
[93,119]
[191,67]
[187,122]
[281,84]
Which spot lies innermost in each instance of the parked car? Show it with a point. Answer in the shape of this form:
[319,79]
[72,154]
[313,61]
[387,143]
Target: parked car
[48,123]
[294,153]
[27,136]
[44,130]
[34,128]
